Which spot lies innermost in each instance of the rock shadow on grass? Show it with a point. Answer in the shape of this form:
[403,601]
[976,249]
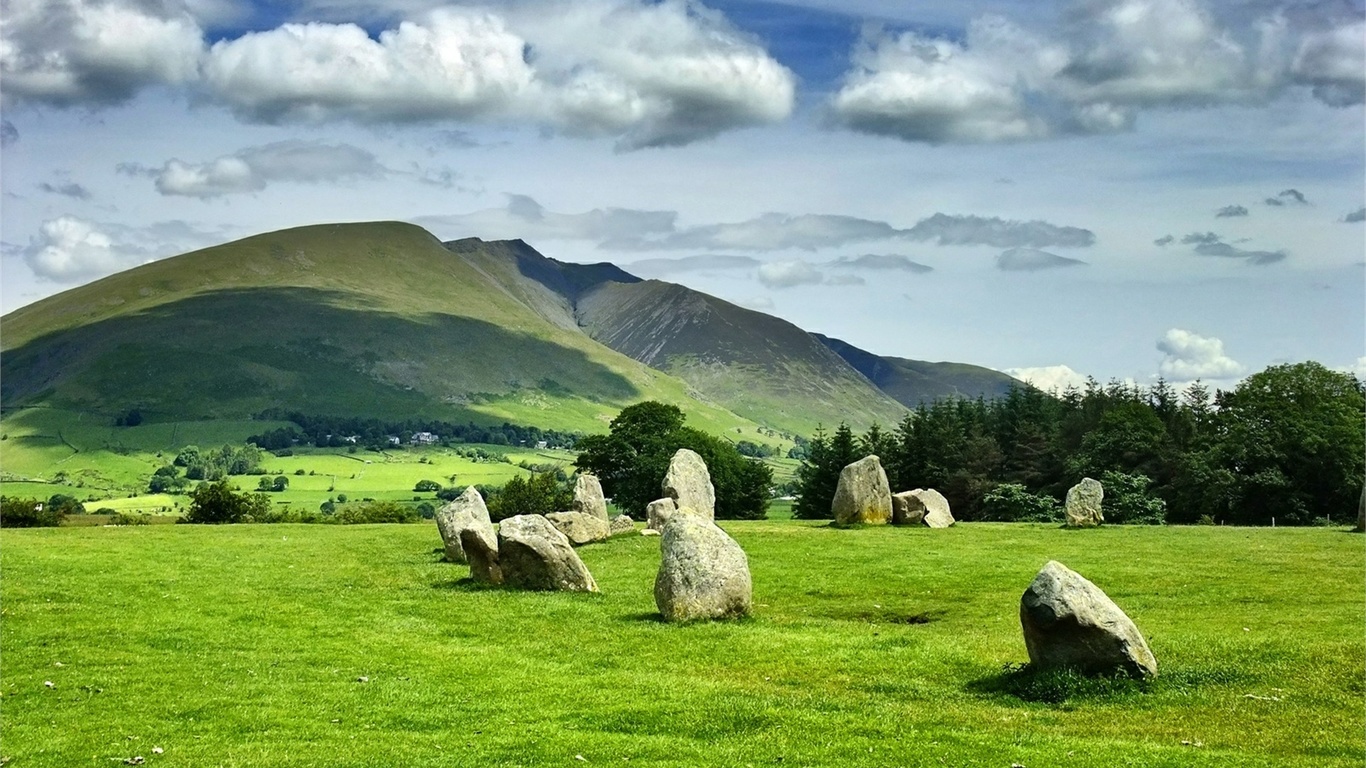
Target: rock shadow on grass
[1066,686]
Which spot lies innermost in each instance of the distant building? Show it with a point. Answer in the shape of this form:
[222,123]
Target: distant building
[393,440]
[540,446]
[424,438]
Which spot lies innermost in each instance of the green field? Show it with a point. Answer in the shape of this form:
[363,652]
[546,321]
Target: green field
[247,646]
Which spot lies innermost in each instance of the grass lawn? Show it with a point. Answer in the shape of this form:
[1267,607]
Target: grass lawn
[248,645]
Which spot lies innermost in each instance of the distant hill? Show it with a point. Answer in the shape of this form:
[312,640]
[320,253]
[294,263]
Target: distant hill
[912,382]
[382,319]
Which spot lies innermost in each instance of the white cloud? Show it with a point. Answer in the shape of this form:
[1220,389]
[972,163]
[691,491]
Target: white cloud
[68,52]
[948,229]
[1106,62]
[68,249]
[650,74]
[1188,355]
[1049,378]
[1333,62]
[881,262]
[525,218]
[253,168]
[1358,370]
[789,274]
[769,232]
[1032,260]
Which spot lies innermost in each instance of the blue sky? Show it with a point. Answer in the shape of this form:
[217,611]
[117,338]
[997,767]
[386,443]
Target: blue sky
[1119,188]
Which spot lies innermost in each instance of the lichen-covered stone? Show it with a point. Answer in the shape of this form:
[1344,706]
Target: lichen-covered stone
[466,511]
[703,572]
[580,528]
[863,495]
[481,550]
[588,497]
[621,524]
[1083,504]
[534,555]
[657,511]
[1069,622]
[688,483]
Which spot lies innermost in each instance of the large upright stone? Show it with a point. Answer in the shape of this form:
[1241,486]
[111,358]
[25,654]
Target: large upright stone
[466,511]
[926,507]
[1069,622]
[688,483]
[533,555]
[863,495]
[703,572]
[481,550]
[1083,504]
[580,528]
[588,497]
[657,511]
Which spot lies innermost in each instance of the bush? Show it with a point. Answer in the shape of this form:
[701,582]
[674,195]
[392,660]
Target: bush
[426,486]
[125,518]
[1129,500]
[1013,503]
[28,513]
[218,502]
[539,495]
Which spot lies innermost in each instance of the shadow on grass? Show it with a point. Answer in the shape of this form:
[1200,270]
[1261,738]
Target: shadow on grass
[1064,686]
[1057,686]
[653,617]
[466,584]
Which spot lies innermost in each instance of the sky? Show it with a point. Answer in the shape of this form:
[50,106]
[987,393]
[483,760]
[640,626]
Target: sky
[1122,189]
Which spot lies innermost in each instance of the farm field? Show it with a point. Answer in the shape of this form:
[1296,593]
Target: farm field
[285,645]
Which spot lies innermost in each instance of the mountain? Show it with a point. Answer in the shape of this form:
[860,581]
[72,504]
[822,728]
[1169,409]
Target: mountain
[384,320]
[912,382]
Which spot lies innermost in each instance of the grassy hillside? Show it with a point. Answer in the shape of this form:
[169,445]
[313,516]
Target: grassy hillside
[371,319]
[319,645]
[758,365]
[911,382]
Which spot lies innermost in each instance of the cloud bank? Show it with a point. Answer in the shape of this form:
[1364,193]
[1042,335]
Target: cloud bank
[1188,355]
[1107,62]
[252,169]
[1032,260]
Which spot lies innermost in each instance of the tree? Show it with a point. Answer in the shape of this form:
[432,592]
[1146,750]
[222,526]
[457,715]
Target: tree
[632,459]
[281,484]
[28,513]
[218,502]
[1292,436]
[818,477]
[540,494]
[425,486]
[167,479]
[1129,499]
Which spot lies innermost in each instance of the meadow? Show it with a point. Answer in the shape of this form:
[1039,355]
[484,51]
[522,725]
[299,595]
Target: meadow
[286,645]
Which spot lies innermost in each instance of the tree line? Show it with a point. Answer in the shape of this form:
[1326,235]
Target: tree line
[336,431]
[1285,444]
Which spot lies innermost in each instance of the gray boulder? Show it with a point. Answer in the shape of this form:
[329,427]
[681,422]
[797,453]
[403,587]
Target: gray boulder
[588,497]
[481,550]
[657,511]
[1069,622]
[579,528]
[921,506]
[533,555]
[907,509]
[703,573]
[621,524]
[863,495]
[688,483]
[1083,504]
[467,511]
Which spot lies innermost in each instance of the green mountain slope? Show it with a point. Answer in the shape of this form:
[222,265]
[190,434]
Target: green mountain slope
[758,366]
[375,319]
[913,382]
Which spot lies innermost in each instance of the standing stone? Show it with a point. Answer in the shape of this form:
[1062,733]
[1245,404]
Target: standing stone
[703,572]
[533,555]
[863,495]
[1069,622]
[621,524]
[580,528]
[907,509]
[588,497]
[481,550]
[657,511]
[921,507]
[466,511]
[688,483]
[1083,504]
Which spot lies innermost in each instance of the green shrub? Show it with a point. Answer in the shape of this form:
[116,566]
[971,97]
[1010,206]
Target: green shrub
[1128,499]
[28,513]
[218,502]
[426,486]
[125,518]
[1012,503]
